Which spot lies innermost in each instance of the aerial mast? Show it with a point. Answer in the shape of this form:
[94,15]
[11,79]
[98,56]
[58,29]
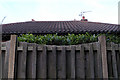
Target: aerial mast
[82,15]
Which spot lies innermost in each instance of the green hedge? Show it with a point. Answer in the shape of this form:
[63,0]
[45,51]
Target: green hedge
[70,39]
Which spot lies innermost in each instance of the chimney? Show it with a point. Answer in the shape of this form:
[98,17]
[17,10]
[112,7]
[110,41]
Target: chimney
[33,20]
[83,18]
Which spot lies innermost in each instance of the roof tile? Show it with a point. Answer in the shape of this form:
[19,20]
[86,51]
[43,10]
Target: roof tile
[59,27]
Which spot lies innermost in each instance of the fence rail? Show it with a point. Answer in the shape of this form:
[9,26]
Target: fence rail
[90,60]
[59,48]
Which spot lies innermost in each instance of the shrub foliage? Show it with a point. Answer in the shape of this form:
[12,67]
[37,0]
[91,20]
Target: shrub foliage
[70,39]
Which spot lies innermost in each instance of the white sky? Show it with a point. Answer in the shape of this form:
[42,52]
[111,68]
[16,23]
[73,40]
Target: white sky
[105,11]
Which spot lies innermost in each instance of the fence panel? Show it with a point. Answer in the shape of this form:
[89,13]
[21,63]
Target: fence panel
[52,61]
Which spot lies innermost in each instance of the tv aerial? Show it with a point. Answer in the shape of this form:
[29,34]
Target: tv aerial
[3,19]
[82,13]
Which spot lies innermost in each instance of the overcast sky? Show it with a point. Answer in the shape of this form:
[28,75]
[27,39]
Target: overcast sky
[105,11]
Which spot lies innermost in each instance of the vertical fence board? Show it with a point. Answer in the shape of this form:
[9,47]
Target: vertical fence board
[22,55]
[68,64]
[118,60]
[118,63]
[11,65]
[52,63]
[109,61]
[99,63]
[72,62]
[2,56]
[102,41]
[86,64]
[115,74]
[61,65]
[31,72]
[80,65]
[34,56]
[29,64]
[42,63]
[91,61]
[5,75]
[38,71]
[2,60]
[95,64]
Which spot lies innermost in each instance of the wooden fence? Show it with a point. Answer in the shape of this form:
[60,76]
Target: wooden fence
[30,60]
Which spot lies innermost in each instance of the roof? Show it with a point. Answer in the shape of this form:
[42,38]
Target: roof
[44,27]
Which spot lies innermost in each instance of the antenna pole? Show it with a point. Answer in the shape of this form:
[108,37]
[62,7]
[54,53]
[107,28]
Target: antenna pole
[3,19]
[1,32]
[82,13]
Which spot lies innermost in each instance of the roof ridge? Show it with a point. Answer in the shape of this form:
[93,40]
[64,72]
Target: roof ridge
[99,22]
[60,21]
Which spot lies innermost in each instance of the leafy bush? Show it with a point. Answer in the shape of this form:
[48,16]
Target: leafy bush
[70,39]
[112,38]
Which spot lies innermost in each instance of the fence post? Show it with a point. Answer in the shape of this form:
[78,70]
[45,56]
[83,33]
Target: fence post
[11,64]
[102,41]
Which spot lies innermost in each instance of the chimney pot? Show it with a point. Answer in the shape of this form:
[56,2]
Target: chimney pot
[83,19]
[33,20]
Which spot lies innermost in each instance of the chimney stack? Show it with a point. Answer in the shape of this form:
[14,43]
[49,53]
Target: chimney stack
[33,20]
[83,18]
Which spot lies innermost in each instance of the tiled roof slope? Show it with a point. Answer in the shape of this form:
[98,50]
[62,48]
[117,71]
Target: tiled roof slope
[42,27]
